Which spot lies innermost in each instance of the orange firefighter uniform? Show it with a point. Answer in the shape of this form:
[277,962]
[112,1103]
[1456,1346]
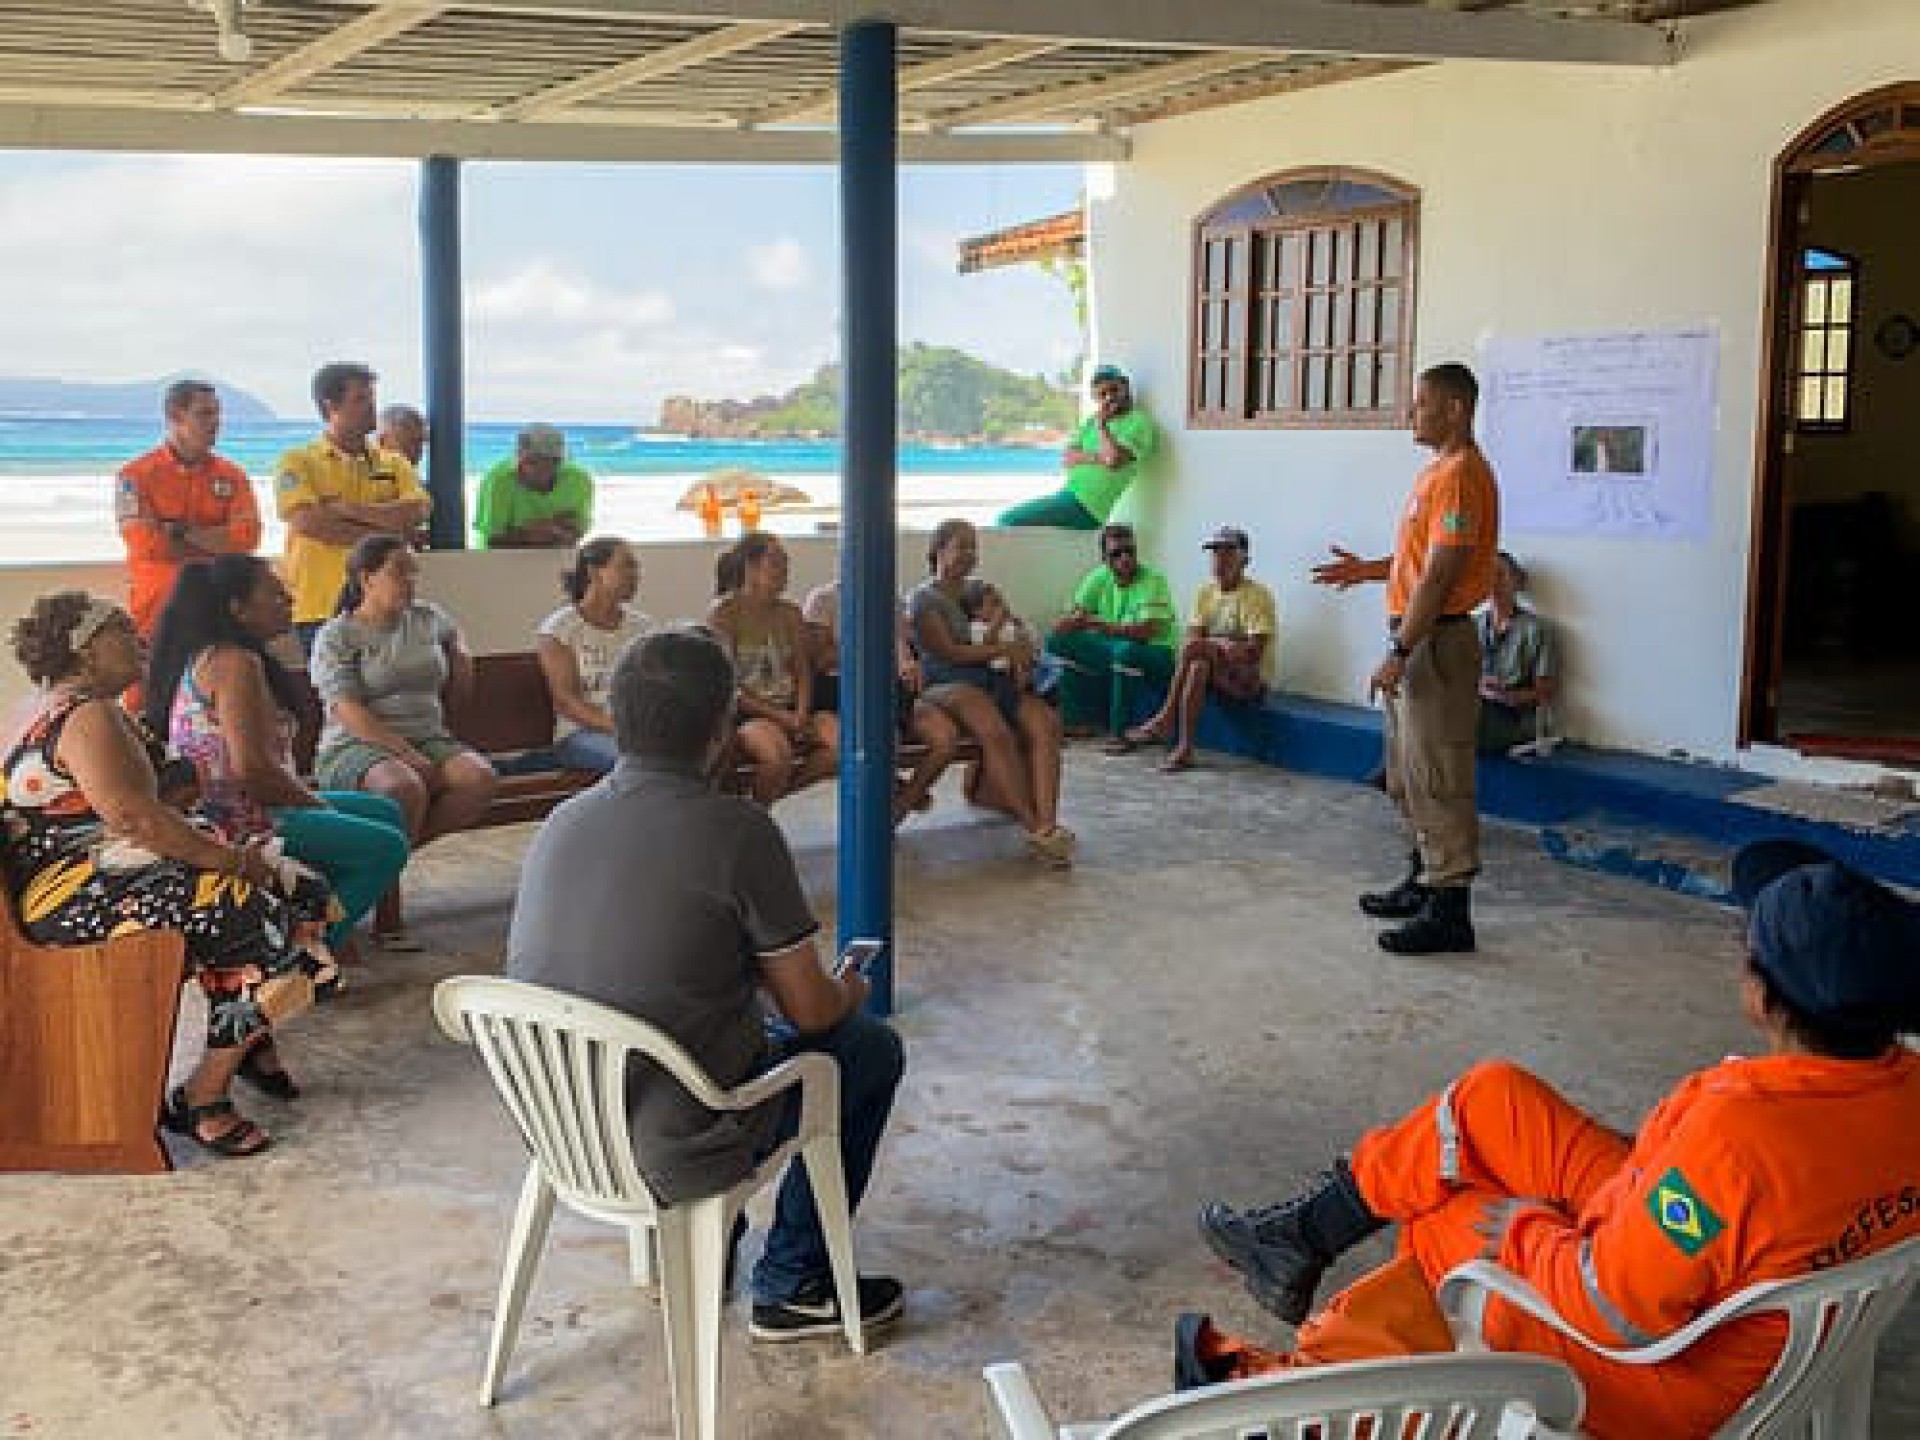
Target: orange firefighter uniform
[160,489]
[1754,1170]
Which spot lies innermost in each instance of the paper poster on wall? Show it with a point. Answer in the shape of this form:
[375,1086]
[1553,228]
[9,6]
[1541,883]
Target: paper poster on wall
[1608,435]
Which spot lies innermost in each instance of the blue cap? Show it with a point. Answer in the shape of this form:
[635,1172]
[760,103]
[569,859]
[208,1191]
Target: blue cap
[1838,946]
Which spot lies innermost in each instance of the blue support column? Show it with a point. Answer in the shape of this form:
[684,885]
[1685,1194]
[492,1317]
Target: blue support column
[444,359]
[869,221]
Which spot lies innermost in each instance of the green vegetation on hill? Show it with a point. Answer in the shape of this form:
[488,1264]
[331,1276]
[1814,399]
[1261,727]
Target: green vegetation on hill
[944,393]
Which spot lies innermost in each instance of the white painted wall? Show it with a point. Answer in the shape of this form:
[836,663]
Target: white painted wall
[499,596]
[1554,200]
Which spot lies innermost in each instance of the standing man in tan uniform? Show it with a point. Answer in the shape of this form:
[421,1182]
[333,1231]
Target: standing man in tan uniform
[1441,568]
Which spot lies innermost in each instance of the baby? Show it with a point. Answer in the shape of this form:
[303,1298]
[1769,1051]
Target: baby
[992,621]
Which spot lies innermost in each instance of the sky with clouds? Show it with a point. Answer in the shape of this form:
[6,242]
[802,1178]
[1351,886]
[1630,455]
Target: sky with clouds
[592,291]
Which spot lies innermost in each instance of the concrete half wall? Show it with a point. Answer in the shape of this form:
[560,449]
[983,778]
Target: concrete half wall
[1554,200]
[500,596]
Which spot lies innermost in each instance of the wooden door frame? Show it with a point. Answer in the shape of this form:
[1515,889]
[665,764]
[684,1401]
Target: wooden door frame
[1767,557]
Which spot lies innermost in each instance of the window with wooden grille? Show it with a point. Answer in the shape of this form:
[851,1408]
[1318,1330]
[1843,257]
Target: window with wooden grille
[1303,303]
[1824,353]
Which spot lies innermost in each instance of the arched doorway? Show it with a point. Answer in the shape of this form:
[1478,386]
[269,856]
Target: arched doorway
[1833,647]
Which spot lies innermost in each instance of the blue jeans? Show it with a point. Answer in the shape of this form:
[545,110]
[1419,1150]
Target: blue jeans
[587,750]
[871,1060]
[358,841]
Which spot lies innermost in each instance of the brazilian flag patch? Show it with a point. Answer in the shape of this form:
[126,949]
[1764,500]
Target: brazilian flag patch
[1683,1217]
[1454,522]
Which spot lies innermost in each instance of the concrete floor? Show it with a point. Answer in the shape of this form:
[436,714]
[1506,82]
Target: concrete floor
[1195,1011]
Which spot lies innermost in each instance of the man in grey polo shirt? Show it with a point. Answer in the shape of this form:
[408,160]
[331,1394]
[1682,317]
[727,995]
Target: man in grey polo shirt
[657,895]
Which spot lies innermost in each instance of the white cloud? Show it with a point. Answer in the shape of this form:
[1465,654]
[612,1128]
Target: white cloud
[254,270]
[542,293]
[781,265]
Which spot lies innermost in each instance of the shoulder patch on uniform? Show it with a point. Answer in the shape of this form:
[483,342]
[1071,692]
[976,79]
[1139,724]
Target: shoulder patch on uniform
[1683,1217]
[1455,522]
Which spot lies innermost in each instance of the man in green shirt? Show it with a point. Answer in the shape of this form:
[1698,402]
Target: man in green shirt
[1108,451]
[1117,631]
[536,499]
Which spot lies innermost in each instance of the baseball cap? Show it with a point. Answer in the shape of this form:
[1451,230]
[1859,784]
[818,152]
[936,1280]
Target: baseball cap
[1226,537]
[543,442]
[1106,375]
[1839,946]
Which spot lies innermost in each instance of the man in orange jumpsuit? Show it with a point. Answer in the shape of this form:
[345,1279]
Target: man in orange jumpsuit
[1756,1169]
[181,502]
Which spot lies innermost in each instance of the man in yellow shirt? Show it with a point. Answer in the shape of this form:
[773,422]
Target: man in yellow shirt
[1228,650]
[337,490]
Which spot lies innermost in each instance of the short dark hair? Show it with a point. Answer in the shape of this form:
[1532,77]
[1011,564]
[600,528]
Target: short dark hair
[1114,530]
[332,381]
[181,394]
[1863,1039]
[670,692]
[730,567]
[1455,381]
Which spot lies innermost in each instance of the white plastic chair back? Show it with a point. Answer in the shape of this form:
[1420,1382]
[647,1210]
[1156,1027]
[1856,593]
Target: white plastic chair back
[1421,1397]
[1822,1384]
[559,1064]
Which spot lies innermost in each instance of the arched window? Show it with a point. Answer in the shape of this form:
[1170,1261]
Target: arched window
[1303,303]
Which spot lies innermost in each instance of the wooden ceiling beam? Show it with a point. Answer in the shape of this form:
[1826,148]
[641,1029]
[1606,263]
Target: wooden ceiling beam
[654,65]
[375,26]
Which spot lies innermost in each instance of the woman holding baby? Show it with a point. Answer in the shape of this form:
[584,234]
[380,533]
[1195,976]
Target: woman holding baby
[984,685]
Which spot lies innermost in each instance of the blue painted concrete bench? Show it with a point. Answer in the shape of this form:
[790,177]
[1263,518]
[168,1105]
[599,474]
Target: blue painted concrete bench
[1611,809]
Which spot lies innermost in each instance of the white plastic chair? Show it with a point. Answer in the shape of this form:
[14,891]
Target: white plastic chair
[1821,1387]
[560,1065]
[1419,1397]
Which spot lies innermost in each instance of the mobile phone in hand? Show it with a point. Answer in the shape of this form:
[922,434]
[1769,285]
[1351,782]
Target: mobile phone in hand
[858,956]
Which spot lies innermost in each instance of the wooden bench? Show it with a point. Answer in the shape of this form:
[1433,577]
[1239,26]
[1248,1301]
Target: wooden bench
[86,1035]
[509,719]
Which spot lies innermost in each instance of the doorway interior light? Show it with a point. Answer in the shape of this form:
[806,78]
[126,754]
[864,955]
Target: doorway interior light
[234,45]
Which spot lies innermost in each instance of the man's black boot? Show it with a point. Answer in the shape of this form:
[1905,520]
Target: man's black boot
[1403,901]
[1283,1250]
[1444,926]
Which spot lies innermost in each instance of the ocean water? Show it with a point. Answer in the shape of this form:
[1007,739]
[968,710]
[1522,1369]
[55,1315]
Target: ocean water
[56,491]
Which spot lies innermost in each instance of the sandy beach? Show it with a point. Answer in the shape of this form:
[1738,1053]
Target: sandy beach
[51,518]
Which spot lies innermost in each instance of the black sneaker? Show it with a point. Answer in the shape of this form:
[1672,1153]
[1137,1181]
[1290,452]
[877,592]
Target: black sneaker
[814,1309]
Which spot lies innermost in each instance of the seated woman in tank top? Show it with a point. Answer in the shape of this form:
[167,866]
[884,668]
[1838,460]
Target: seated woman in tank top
[787,744]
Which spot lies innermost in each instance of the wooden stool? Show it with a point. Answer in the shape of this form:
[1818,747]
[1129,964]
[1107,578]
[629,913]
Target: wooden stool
[86,1035]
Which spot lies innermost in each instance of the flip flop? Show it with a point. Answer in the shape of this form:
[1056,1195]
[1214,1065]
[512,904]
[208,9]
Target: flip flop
[1143,735]
[1120,745]
[1173,765]
[398,942]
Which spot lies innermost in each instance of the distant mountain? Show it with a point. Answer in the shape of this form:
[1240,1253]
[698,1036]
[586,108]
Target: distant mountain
[42,396]
[945,395]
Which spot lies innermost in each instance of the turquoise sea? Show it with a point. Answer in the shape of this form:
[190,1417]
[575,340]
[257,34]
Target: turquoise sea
[56,479]
[36,446]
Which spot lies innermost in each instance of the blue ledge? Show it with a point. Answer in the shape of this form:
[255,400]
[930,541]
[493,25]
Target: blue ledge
[1670,822]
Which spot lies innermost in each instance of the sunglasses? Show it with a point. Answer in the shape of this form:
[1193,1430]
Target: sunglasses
[1117,551]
